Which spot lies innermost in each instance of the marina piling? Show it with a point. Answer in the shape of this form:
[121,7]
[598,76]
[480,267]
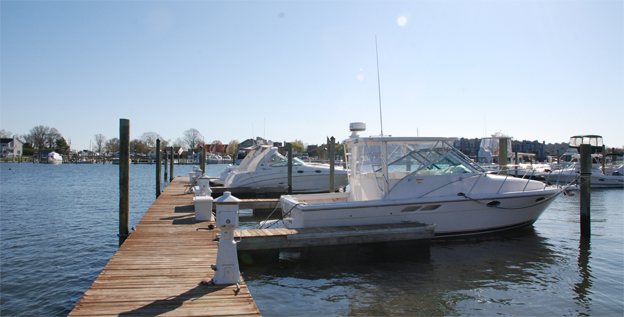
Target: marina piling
[171,166]
[166,162]
[124,179]
[332,150]
[604,159]
[202,160]
[158,167]
[290,159]
[502,155]
[585,150]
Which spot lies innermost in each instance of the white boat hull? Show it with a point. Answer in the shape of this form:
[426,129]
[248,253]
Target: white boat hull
[456,216]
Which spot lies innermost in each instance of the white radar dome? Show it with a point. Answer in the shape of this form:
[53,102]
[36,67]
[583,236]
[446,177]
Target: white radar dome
[357,126]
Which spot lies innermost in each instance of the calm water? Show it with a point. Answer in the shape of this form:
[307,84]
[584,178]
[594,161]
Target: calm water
[59,225]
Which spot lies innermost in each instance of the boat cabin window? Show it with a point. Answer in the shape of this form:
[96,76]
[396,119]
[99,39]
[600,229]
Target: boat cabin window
[278,160]
[416,158]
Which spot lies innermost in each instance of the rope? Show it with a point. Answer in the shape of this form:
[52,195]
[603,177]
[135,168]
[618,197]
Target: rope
[283,215]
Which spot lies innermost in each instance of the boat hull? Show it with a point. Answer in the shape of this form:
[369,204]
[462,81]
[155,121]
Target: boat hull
[311,183]
[451,215]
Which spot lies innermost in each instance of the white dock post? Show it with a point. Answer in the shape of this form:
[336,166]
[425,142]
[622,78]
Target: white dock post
[226,269]
[202,199]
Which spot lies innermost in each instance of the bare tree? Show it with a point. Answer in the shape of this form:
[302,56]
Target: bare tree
[100,143]
[112,145]
[51,138]
[149,138]
[179,142]
[5,134]
[37,136]
[191,138]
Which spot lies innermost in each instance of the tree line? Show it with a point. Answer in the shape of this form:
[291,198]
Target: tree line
[192,140]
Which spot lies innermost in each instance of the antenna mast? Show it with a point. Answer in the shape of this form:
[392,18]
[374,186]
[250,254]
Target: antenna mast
[378,86]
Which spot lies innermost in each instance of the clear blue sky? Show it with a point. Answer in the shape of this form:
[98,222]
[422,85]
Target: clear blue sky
[286,70]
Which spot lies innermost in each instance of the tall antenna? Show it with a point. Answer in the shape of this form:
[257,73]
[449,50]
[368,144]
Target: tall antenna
[378,86]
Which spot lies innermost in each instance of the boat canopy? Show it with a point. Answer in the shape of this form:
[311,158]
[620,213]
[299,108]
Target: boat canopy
[377,164]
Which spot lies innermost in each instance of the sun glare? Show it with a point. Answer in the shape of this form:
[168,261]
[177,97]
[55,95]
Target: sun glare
[402,20]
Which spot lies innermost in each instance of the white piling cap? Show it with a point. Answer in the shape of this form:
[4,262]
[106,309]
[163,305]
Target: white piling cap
[227,199]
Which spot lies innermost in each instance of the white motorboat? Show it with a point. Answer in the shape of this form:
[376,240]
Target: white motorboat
[264,166]
[214,159]
[54,158]
[419,179]
[244,159]
[571,174]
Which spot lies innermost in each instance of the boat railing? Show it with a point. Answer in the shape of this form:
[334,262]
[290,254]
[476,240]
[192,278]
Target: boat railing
[555,175]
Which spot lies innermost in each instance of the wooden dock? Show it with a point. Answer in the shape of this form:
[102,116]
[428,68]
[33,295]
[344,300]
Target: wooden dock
[264,239]
[159,268]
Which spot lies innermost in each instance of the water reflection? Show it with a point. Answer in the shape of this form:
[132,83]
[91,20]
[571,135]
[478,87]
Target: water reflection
[582,288]
[456,276]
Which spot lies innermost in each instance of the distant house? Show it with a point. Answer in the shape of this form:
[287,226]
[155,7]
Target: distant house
[177,150]
[11,147]
[152,153]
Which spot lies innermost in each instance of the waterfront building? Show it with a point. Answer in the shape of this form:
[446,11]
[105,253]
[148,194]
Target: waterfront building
[11,147]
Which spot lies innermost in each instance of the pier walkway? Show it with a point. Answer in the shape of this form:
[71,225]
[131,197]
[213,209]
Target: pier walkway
[159,268]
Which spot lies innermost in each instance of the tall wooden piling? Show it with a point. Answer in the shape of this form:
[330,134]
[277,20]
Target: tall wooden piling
[202,160]
[158,167]
[585,150]
[290,159]
[502,155]
[124,179]
[332,154]
[166,162]
[604,159]
[517,163]
[171,166]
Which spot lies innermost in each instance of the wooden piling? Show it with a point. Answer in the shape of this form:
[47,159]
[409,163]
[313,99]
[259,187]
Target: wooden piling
[171,166]
[124,179]
[166,163]
[203,160]
[517,163]
[290,159]
[604,159]
[332,151]
[158,167]
[502,155]
[585,152]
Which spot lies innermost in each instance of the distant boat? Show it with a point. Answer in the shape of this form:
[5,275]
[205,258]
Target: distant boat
[214,159]
[264,166]
[85,161]
[54,158]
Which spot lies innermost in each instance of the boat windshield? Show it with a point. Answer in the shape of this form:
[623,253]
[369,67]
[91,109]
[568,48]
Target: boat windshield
[415,158]
[278,160]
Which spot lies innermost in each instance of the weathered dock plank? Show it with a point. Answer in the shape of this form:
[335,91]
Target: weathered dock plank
[159,268]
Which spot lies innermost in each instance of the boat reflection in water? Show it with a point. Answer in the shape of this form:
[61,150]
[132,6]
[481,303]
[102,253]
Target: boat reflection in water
[517,272]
